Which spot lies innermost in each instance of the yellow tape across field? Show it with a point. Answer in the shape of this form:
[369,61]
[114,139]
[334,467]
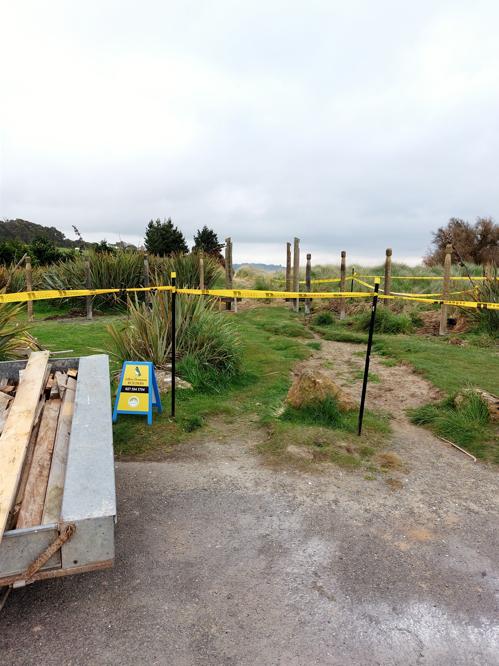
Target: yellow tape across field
[22,297]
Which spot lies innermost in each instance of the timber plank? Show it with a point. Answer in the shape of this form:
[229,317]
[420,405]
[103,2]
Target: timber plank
[30,514]
[55,486]
[14,510]
[15,437]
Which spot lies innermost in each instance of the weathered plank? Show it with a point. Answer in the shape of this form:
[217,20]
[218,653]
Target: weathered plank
[14,511]
[30,514]
[15,437]
[55,486]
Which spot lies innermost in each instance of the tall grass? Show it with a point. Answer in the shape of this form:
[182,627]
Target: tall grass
[485,321]
[467,424]
[386,322]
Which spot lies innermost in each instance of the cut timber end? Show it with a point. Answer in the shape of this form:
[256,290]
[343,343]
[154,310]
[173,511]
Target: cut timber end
[55,486]
[16,434]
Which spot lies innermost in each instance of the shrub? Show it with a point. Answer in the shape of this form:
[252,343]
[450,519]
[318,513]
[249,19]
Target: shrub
[207,343]
[323,319]
[386,322]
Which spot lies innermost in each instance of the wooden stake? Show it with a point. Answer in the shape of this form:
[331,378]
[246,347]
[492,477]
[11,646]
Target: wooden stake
[228,275]
[445,289]
[296,272]
[88,282]
[201,269]
[29,287]
[147,279]
[308,283]
[343,269]
[288,267]
[388,273]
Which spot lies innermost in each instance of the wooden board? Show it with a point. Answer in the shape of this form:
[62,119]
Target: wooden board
[14,510]
[30,514]
[55,486]
[15,437]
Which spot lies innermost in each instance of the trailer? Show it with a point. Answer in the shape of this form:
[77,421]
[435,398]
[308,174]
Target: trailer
[81,536]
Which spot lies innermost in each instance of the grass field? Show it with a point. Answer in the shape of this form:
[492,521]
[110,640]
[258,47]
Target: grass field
[273,340]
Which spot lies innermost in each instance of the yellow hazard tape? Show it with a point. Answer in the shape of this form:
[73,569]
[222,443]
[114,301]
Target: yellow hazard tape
[426,277]
[21,297]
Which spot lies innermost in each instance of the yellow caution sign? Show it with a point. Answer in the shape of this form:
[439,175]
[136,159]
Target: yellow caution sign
[137,391]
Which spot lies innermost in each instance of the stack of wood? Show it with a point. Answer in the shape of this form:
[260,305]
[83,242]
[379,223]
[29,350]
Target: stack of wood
[35,424]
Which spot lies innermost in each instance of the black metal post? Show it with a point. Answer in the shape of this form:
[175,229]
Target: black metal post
[173,277]
[368,353]
[351,282]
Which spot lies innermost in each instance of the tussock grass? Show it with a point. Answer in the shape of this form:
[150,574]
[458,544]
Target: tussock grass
[327,413]
[467,424]
[323,319]
[386,322]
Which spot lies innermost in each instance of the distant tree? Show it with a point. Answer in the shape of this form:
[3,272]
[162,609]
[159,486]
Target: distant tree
[103,247]
[44,252]
[207,240]
[12,251]
[475,243]
[163,238]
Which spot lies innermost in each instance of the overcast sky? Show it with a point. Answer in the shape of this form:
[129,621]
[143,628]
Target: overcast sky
[354,125]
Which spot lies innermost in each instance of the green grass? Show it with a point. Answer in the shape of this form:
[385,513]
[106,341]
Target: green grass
[316,346]
[328,414]
[81,336]
[263,384]
[447,366]
[467,424]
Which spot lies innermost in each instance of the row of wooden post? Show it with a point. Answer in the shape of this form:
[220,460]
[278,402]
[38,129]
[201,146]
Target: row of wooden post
[293,279]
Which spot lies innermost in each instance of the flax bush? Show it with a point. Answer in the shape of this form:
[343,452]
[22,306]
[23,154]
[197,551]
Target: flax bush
[207,343]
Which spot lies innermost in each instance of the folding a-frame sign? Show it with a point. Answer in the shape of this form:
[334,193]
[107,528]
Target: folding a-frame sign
[137,391]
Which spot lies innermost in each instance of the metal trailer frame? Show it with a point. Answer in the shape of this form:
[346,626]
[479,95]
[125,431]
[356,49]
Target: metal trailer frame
[83,540]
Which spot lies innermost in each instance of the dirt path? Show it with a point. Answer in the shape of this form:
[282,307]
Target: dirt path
[222,560]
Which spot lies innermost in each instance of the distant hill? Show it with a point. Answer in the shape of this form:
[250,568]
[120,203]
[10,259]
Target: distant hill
[25,231]
[269,268]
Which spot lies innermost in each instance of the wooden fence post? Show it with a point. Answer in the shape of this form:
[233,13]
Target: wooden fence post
[308,283]
[147,281]
[288,267]
[228,281]
[29,287]
[343,272]
[201,269]
[296,272]
[445,289]
[88,284]
[388,273]
[232,276]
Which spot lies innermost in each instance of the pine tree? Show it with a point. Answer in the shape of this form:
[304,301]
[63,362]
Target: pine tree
[164,239]
[207,240]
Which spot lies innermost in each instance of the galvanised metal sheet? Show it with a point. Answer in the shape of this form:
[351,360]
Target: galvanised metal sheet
[89,488]
[19,548]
